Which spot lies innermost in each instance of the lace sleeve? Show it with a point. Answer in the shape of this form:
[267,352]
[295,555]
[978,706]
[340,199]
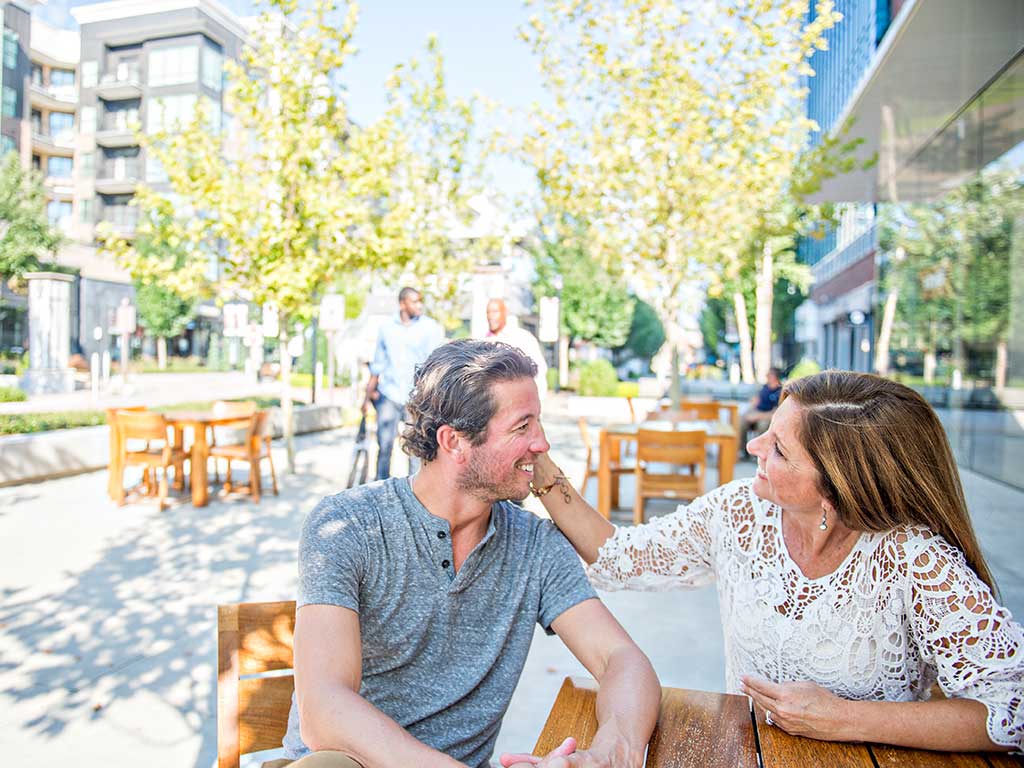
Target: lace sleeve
[669,552]
[976,647]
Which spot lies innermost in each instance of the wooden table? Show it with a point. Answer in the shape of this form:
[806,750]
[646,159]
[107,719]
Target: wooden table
[697,729]
[198,421]
[719,433]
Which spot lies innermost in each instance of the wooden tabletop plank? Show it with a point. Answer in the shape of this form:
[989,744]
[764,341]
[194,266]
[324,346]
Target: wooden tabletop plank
[696,728]
[781,750]
[1004,760]
[574,713]
[890,757]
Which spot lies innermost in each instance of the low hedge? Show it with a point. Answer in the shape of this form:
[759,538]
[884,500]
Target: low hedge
[12,395]
[26,423]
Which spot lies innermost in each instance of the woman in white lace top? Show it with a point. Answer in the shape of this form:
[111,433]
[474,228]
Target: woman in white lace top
[849,576]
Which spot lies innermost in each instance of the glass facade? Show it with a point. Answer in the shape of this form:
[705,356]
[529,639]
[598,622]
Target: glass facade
[951,279]
[174,66]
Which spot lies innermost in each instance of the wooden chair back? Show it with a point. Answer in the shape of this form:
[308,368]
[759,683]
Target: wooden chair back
[674,415]
[240,408]
[253,639]
[114,490]
[683,448]
[141,425]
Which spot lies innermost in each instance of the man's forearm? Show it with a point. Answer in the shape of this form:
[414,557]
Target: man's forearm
[628,701]
[339,719]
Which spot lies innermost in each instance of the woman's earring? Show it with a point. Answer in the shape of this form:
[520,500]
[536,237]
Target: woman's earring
[824,521]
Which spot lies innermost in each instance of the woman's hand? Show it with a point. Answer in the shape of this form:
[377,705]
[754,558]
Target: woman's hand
[802,709]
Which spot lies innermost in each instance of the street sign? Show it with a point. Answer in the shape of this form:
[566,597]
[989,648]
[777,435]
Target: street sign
[270,326]
[547,330]
[236,318]
[296,345]
[332,313]
[125,320]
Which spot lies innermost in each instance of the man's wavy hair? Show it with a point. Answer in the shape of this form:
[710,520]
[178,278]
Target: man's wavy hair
[453,387]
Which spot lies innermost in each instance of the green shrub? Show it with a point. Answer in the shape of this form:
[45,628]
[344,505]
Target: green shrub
[12,395]
[598,379]
[628,389]
[552,375]
[23,423]
[805,367]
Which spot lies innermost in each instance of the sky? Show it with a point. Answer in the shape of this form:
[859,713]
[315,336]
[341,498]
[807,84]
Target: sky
[478,40]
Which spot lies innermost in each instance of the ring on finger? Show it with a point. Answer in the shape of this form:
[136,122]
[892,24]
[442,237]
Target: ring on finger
[768,717]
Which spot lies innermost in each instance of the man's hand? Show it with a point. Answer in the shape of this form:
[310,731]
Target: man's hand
[802,709]
[566,756]
[521,760]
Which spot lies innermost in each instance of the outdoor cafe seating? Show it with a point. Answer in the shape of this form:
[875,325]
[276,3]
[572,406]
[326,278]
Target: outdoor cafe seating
[253,449]
[669,465]
[144,439]
[695,729]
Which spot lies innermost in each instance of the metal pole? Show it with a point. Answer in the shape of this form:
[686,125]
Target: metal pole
[313,398]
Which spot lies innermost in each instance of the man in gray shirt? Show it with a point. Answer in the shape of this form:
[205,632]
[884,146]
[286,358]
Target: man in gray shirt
[418,596]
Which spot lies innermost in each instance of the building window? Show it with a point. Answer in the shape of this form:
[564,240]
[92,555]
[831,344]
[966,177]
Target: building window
[60,122]
[213,68]
[121,115]
[59,167]
[90,74]
[10,102]
[85,211]
[10,49]
[59,213]
[62,77]
[87,121]
[37,121]
[173,66]
[213,114]
[37,75]
[7,144]
[155,173]
[164,113]
[86,164]
[37,163]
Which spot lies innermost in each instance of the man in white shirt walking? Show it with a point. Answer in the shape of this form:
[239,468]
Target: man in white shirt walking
[501,329]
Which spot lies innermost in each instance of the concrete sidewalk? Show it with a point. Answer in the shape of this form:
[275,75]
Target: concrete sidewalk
[107,614]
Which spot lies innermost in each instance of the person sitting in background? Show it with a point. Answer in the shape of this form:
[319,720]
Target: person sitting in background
[762,405]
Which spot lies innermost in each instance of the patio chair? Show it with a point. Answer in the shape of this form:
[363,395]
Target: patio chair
[253,639]
[115,482]
[149,428]
[590,467]
[226,409]
[661,457]
[253,450]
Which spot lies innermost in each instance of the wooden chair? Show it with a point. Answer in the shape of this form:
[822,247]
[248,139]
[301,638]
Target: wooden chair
[115,480]
[673,415]
[243,409]
[253,450]
[149,428]
[590,466]
[676,449]
[253,639]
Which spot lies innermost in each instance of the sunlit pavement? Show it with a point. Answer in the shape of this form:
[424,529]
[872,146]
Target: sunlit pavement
[107,614]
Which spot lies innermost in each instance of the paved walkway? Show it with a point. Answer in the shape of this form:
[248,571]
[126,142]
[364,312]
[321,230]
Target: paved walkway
[107,652]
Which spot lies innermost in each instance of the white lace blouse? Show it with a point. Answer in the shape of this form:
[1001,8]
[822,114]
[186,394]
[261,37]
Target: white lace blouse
[902,611]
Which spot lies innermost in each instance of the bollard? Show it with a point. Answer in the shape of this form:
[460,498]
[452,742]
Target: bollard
[94,375]
[106,369]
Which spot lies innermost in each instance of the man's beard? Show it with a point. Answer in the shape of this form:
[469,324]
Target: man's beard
[479,481]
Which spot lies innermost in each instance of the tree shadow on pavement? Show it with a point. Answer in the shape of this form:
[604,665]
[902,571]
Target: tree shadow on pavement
[138,622]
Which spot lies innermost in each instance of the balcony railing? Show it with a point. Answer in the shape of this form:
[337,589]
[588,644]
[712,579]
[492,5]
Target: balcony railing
[54,96]
[120,169]
[845,256]
[61,140]
[123,83]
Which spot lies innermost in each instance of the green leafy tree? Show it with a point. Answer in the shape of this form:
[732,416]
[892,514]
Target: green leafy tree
[646,332]
[25,233]
[671,131]
[167,264]
[296,196]
[595,303]
[163,313]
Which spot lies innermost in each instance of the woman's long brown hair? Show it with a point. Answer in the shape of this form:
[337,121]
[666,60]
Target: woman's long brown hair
[883,458]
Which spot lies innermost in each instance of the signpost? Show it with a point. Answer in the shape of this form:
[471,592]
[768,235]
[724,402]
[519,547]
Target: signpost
[332,320]
[125,322]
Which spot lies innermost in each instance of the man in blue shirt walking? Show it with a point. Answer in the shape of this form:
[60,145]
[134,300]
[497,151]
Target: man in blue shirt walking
[404,342]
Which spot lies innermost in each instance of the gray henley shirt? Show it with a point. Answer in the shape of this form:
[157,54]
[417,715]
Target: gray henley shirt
[441,652]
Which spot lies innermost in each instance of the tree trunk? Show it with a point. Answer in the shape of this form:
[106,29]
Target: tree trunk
[885,333]
[743,327]
[161,352]
[763,315]
[563,360]
[1002,362]
[286,394]
[930,364]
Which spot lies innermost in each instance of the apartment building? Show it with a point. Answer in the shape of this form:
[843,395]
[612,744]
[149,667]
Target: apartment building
[924,277]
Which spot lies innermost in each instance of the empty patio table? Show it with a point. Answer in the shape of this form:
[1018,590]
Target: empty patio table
[199,421]
[701,729]
[719,433]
